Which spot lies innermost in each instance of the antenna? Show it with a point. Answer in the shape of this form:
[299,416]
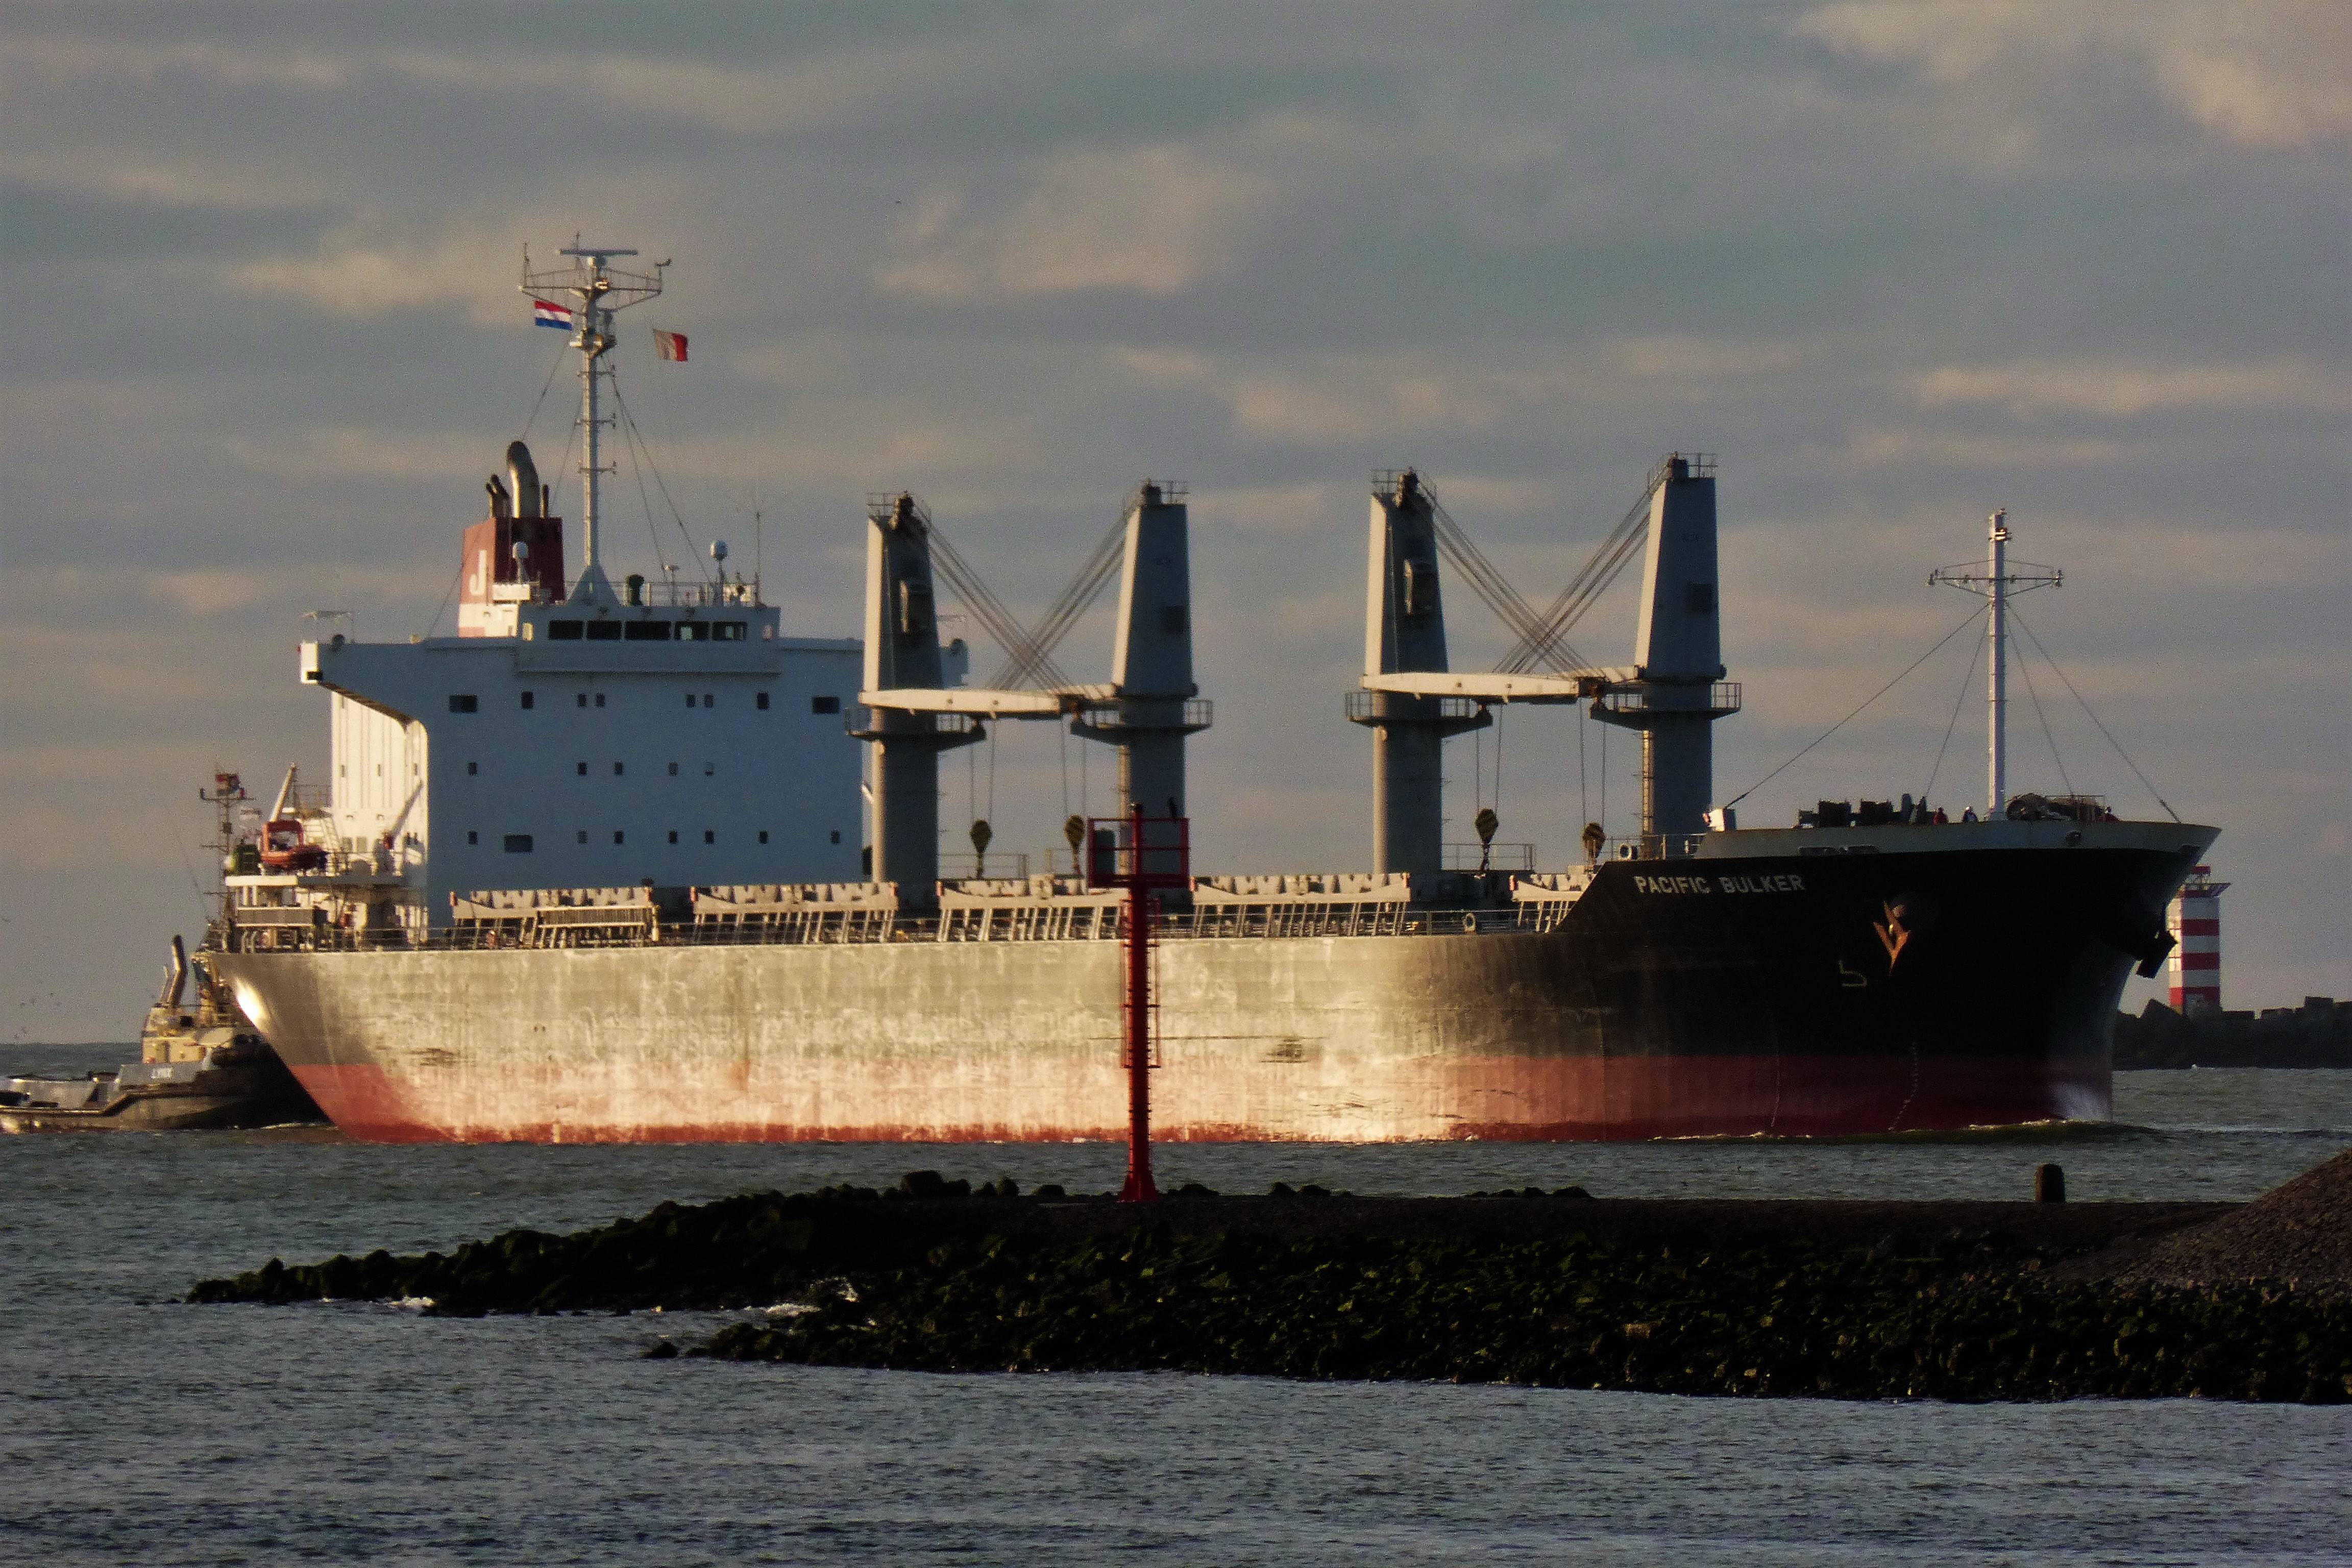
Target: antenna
[600,289]
[1995,583]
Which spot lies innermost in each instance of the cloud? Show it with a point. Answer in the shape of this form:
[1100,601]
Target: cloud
[2259,73]
[1341,399]
[357,272]
[818,90]
[352,452]
[1879,446]
[2124,389]
[1155,221]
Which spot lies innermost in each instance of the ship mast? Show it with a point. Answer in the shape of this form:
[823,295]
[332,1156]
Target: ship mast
[1996,583]
[601,290]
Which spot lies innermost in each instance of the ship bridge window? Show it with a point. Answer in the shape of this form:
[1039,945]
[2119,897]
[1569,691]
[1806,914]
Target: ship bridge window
[693,631]
[464,702]
[647,631]
[604,631]
[518,843]
[563,631]
[728,631]
[824,704]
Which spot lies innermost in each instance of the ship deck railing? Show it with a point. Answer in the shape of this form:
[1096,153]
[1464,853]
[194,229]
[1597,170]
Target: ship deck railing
[1043,921]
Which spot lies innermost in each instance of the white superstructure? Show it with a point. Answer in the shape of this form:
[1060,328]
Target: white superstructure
[573,733]
[605,744]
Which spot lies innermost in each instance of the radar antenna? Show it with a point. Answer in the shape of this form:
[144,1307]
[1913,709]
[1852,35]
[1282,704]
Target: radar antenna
[600,290]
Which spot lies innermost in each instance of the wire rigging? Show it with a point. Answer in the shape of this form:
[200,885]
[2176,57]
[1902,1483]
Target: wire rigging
[2026,669]
[543,387]
[1967,680]
[1598,574]
[1093,575]
[1967,621]
[1492,587]
[646,455]
[984,605]
[2094,718]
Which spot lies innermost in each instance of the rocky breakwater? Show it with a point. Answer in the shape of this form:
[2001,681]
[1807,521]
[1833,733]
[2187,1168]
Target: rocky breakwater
[1957,1300]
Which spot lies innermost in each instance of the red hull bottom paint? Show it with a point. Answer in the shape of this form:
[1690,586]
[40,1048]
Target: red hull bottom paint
[1582,1099]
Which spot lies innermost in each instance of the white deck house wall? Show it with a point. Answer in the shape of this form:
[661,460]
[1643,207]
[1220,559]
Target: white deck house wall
[597,762]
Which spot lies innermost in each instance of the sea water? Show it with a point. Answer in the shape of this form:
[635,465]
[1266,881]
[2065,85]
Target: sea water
[141,1431]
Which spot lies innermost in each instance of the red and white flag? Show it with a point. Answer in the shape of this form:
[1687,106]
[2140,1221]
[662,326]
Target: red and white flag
[670,345]
[548,314]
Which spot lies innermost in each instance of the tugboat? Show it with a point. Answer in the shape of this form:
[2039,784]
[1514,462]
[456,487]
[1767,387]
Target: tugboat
[200,1065]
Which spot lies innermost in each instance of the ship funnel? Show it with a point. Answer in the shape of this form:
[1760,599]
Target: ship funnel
[1678,690]
[175,976]
[1404,631]
[902,650]
[1153,705]
[284,805]
[522,479]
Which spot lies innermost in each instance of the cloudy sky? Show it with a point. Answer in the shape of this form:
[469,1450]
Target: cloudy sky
[1896,264]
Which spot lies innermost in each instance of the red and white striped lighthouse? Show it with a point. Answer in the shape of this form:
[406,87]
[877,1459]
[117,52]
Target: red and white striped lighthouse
[2195,920]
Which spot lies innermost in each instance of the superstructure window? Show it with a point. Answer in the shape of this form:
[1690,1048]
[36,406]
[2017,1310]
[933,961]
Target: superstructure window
[673,770]
[563,631]
[617,836]
[763,836]
[473,768]
[581,701]
[824,704]
[464,702]
[600,699]
[583,835]
[473,838]
[604,631]
[518,843]
[707,699]
[616,770]
[709,837]
[527,699]
[689,700]
[691,631]
[584,769]
[836,836]
[673,836]
[647,631]
[761,702]
[728,631]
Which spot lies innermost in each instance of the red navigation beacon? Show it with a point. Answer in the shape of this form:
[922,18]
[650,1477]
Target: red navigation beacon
[1143,855]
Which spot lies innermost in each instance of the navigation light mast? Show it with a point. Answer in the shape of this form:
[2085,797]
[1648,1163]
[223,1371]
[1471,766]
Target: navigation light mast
[1996,583]
[601,290]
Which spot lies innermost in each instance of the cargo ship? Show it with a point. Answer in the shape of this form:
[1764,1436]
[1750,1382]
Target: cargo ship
[608,864]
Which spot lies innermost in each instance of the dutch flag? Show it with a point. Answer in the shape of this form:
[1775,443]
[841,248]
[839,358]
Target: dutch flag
[548,314]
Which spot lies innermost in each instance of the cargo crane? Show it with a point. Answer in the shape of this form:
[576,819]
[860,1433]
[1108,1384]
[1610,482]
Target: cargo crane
[1145,711]
[1412,700]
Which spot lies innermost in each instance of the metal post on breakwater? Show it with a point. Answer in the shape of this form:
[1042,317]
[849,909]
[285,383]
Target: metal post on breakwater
[1142,855]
